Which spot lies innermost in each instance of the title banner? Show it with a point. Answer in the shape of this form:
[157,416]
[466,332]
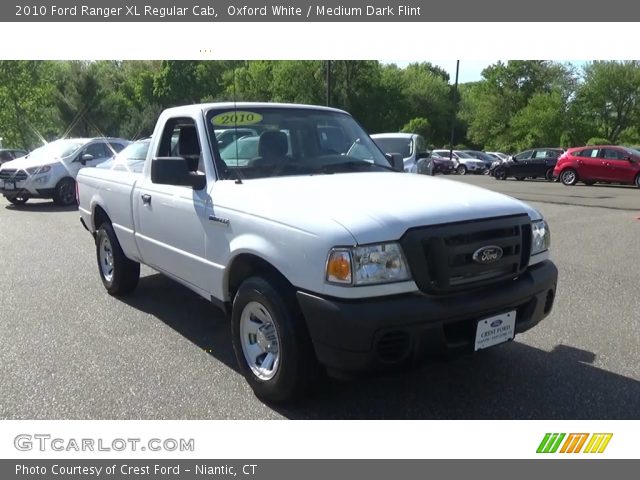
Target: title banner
[316,11]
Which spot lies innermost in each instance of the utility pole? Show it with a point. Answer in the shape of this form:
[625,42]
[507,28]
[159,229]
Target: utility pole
[328,83]
[453,110]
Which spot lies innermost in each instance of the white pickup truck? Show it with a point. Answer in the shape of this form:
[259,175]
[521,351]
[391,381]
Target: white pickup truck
[325,260]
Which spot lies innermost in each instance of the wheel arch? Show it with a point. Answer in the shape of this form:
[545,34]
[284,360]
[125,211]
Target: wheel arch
[245,265]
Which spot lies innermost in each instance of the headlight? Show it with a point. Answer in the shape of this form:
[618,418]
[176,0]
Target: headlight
[367,265]
[38,170]
[541,240]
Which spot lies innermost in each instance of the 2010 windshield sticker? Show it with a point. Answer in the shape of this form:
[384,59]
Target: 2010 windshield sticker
[231,119]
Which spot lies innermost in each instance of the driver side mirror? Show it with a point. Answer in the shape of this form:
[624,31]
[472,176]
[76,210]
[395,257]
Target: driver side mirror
[87,157]
[396,161]
[629,159]
[175,171]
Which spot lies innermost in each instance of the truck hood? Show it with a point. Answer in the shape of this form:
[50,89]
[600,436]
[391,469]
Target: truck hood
[373,207]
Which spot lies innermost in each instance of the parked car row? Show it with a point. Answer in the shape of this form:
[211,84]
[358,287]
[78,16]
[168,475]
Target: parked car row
[589,164]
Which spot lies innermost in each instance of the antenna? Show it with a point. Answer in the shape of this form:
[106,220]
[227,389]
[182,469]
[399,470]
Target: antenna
[235,124]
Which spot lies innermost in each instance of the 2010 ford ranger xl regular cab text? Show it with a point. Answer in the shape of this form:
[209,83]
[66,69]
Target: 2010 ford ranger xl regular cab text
[325,256]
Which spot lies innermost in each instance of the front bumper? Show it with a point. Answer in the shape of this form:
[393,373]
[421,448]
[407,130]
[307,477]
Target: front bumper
[443,168]
[399,330]
[31,193]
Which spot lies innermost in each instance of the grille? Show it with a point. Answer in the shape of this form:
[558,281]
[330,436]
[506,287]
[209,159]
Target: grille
[441,257]
[13,175]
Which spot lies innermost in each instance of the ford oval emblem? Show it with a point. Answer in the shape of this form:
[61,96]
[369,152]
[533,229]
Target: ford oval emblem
[496,323]
[487,255]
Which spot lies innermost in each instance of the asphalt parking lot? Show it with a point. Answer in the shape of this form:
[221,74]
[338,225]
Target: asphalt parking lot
[70,351]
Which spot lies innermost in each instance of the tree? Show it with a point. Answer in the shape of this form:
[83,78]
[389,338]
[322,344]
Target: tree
[490,106]
[27,114]
[609,98]
[420,126]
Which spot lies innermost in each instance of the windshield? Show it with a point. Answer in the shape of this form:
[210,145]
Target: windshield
[395,145]
[634,151]
[131,158]
[463,155]
[57,149]
[293,141]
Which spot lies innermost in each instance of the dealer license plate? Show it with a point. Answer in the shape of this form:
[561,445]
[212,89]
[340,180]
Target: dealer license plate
[495,330]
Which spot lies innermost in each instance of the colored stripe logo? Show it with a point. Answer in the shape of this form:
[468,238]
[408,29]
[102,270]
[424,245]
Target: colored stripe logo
[574,443]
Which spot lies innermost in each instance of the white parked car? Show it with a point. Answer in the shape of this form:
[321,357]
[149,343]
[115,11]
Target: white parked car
[463,162]
[330,261]
[411,146]
[50,171]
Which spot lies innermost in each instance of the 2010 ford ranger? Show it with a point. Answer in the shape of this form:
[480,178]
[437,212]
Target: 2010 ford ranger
[324,255]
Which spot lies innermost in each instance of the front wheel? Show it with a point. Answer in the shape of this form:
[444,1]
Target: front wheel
[119,275]
[17,200]
[271,341]
[520,179]
[569,177]
[65,192]
[461,170]
[638,180]
[500,173]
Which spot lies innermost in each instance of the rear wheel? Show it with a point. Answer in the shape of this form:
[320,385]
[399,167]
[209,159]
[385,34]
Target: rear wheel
[461,170]
[569,177]
[17,200]
[638,180]
[271,341]
[500,173]
[549,174]
[119,274]
[589,183]
[520,179]
[65,192]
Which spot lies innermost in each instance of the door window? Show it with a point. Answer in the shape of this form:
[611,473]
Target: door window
[588,153]
[523,155]
[180,139]
[611,154]
[98,151]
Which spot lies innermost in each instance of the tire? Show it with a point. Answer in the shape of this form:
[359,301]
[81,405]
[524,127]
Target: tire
[17,200]
[65,192]
[520,179]
[461,170]
[267,326]
[548,175]
[589,183]
[569,177]
[638,180]
[119,275]
[500,173]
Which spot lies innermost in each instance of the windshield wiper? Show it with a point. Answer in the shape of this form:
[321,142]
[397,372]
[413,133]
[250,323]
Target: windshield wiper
[352,165]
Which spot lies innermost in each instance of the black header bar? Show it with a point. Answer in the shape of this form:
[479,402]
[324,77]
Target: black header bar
[322,11]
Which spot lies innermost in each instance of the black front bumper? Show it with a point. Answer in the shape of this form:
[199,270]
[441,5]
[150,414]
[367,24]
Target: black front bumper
[401,329]
[21,192]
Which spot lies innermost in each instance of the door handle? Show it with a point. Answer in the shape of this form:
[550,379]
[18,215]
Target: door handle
[579,162]
[146,199]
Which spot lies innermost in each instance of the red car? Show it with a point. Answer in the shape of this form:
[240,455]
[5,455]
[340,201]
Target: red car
[600,163]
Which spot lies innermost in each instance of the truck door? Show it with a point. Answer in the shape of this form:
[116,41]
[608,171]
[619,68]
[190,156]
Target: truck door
[171,219]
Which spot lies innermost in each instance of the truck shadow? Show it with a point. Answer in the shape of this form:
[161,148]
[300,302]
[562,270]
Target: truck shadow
[41,207]
[513,381]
